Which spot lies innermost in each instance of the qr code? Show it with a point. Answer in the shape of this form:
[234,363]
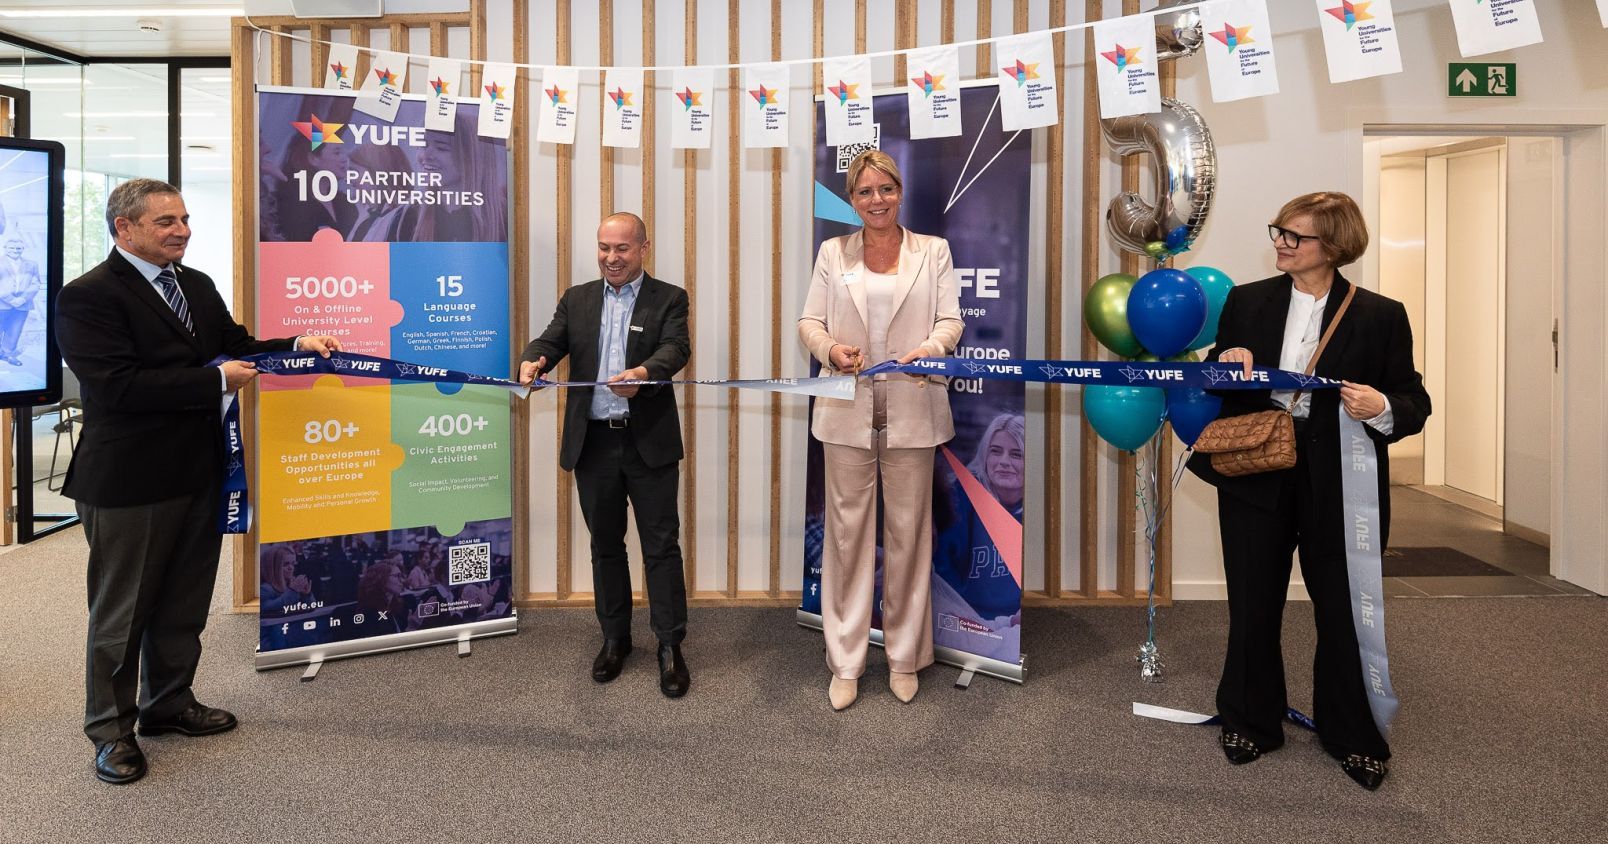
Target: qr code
[847,152]
[469,563]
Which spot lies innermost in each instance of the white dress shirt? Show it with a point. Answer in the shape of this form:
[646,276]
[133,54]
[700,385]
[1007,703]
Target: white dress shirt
[1303,328]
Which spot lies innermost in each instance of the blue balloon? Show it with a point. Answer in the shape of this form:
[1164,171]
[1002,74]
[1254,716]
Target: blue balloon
[1126,417]
[1178,240]
[1166,309]
[1190,410]
[1216,285]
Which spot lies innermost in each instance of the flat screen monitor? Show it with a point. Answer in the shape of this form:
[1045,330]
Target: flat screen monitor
[31,202]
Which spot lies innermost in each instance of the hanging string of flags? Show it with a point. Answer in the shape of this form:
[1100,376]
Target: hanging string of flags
[1359,36]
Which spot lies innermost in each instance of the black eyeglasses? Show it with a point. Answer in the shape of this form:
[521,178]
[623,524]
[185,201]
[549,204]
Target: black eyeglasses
[1286,238]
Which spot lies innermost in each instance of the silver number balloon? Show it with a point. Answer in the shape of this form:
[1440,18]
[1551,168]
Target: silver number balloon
[1178,33]
[1185,166]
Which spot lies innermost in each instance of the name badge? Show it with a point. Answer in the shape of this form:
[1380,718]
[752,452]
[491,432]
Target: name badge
[636,328]
[850,279]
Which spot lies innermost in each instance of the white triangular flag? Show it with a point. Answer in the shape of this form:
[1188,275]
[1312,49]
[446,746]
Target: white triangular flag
[623,101]
[692,124]
[1125,60]
[1027,98]
[764,105]
[561,92]
[441,108]
[1602,11]
[847,83]
[383,86]
[1239,50]
[933,95]
[1359,38]
[341,68]
[499,96]
[1489,26]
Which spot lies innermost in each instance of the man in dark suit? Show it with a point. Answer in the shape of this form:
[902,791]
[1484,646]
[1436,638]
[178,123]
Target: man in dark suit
[624,443]
[140,330]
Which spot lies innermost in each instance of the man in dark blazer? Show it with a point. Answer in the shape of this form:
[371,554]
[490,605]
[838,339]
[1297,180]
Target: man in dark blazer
[624,443]
[140,331]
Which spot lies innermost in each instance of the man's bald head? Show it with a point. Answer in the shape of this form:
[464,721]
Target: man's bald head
[622,245]
[639,229]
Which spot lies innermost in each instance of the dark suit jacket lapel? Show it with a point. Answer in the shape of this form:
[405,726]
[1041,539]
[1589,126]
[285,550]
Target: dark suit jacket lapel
[1275,312]
[641,313]
[587,322]
[147,295]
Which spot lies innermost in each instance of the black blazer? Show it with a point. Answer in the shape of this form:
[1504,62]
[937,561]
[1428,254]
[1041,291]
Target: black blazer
[152,429]
[1373,345]
[661,345]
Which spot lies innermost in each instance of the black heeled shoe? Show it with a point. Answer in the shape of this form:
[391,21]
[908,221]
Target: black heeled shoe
[1366,770]
[610,659]
[1239,749]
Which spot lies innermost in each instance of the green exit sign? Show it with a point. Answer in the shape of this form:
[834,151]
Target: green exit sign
[1481,80]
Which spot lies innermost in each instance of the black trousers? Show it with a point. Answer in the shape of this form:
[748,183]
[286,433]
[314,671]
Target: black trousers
[1257,544]
[609,475]
[151,572]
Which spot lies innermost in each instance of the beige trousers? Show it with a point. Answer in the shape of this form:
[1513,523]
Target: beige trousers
[849,556]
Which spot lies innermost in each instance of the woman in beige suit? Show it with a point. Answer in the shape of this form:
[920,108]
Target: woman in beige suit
[880,293]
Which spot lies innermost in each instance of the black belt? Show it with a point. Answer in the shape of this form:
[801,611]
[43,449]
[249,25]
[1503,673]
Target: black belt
[622,422]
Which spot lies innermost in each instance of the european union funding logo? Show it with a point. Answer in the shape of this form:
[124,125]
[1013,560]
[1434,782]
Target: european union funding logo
[1352,13]
[319,132]
[844,92]
[690,98]
[766,96]
[1021,72]
[1123,57]
[620,97]
[928,82]
[440,86]
[1234,36]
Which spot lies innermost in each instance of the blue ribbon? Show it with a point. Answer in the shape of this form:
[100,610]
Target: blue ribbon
[1206,376]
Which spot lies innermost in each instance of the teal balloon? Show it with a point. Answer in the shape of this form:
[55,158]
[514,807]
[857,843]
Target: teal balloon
[1216,284]
[1126,417]
[1105,312]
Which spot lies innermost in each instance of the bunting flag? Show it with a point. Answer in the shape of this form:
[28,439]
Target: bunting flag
[1359,38]
[383,86]
[934,92]
[623,101]
[692,123]
[1490,26]
[1125,59]
[1239,50]
[561,91]
[498,93]
[1027,98]
[441,108]
[847,83]
[764,105]
[1602,11]
[340,70]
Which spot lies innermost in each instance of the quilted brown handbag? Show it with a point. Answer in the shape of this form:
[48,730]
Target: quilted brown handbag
[1263,441]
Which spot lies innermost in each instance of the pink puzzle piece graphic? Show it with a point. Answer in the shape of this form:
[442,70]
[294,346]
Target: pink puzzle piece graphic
[327,286]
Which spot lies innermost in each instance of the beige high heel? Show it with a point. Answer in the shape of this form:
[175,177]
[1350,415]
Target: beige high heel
[904,686]
[843,693]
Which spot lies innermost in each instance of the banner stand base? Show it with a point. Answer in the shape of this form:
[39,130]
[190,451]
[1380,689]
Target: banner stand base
[963,682]
[313,656]
[969,664]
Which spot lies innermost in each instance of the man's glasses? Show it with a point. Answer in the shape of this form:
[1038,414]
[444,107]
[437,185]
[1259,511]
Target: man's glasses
[1288,239]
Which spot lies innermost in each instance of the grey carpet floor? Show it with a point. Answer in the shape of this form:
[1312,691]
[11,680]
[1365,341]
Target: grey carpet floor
[1501,737]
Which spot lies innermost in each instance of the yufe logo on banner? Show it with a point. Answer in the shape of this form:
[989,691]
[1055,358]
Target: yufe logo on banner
[1359,39]
[1489,26]
[692,124]
[1125,60]
[441,109]
[340,70]
[382,88]
[498,96]
[1027,98]
[623,98]
[1239,50]
[764,109]
[933,94]
[847,83]
[560,93]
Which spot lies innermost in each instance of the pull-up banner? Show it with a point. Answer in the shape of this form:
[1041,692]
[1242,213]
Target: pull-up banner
[383,505]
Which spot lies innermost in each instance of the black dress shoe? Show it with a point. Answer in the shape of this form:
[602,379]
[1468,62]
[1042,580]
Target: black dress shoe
[1366,770]
[197,719]
[119,761]
[673,675]
[1238,748]
[610,659]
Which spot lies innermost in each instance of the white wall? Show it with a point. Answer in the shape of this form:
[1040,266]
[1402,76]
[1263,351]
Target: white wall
[1535,242]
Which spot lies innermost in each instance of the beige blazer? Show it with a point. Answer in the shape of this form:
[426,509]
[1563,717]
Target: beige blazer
[926,313]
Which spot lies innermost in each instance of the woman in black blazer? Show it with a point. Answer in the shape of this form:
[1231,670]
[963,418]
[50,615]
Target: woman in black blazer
[1264,517]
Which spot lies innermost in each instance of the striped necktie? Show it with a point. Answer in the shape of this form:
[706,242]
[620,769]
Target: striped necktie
[175,297]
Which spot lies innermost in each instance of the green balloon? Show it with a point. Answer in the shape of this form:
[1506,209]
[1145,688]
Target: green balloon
[1156,249]
[1105,312]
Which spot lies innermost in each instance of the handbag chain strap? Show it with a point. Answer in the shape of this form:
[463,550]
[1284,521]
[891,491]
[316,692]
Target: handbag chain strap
[1323,342]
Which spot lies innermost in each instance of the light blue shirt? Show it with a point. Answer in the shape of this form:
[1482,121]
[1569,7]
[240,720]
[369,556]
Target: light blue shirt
[613,333]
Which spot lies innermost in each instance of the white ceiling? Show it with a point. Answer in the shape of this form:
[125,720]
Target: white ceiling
[112,28]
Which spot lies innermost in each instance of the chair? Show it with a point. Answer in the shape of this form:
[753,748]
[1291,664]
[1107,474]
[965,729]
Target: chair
[70,413]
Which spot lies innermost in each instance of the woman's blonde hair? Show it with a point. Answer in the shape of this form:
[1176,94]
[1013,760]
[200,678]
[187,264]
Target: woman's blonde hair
[1336,219]
[873,159]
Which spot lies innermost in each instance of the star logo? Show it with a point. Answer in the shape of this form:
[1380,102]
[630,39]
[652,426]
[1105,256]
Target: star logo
[621,97]
[766,96]
[385,76]
[974,368]
[1234,37]
[690,98]
[1217,374]
[319,132]
[440,86]
[844,92]
[1051,371]
[1123,57]
[1021,72]
[234,466]
[341,363]
[495,91]
[1304,379]
[928,83]
[339,70]
[1132,374]
[406,369]
[556,94]
[1351,13]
